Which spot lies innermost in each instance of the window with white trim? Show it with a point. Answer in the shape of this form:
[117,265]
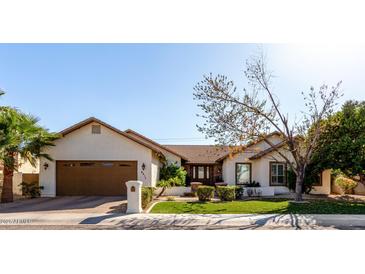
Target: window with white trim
[277,173]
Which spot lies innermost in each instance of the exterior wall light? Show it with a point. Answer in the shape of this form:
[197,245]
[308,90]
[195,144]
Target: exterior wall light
[143,166]
[45,166]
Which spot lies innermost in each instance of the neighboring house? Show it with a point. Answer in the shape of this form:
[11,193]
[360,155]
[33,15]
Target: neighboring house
[94,158]
[24,173]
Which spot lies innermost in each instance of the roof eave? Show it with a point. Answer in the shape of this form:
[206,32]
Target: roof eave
[266,151]
[155,143]
[249,145]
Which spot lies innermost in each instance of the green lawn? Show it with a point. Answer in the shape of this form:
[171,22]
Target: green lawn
[260,207]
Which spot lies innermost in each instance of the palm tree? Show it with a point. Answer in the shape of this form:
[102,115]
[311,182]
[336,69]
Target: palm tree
[20,136]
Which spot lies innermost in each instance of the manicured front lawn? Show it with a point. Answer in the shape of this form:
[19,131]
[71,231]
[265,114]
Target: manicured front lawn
[259,207]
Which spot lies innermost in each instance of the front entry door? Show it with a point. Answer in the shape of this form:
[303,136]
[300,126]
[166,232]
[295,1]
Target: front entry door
[202,173]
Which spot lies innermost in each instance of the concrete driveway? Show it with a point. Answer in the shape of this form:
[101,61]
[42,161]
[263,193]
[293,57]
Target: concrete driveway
[74,204]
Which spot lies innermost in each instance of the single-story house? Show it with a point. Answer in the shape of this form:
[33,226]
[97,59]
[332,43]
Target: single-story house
[257,162]
[95,158]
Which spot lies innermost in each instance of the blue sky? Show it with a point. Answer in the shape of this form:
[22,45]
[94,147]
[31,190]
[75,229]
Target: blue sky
[149,87]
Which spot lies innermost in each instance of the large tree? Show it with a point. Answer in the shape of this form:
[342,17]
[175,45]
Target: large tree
[20,137]
[235,117]
[342,142]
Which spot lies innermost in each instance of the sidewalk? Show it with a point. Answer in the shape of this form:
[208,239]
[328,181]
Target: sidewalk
[180,221]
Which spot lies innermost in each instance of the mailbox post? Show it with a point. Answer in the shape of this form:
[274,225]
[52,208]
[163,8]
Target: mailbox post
[134,196]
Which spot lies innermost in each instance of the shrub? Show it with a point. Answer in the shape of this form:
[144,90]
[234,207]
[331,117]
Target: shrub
[170,198]
[147,195]
[171,175]
[252,184]
[205,193]
[253,192]
[346,184]
[175,172]
[32,190]
[226,193]
[240,192]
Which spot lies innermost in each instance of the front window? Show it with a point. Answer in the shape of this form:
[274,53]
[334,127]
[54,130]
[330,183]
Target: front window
[277,173]
[243,173]
[200,172]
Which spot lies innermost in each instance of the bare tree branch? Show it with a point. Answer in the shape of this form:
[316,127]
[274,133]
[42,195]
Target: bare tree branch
[238,118]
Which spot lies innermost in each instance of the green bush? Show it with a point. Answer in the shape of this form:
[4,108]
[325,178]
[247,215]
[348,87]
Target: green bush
[171,175]
[147,195]
[346,184]
[205,193]
[240,192]
[32,190]
[252,184]
[226,193]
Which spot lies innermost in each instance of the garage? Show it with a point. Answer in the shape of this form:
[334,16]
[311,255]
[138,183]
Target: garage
[93,158]
[94,178]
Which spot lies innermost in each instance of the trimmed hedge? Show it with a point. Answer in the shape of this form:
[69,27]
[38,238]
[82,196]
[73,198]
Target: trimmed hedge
[147,195]
[205,193]
[226,193]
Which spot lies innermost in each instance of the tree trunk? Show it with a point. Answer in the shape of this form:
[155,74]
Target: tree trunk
[162,191]
[7,191]
[299,186]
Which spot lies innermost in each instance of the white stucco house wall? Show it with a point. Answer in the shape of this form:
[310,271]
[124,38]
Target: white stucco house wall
[94,158]
[93,142]
[257,162]
[259,165]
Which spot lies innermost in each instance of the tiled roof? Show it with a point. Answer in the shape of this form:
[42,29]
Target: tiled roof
[204,154]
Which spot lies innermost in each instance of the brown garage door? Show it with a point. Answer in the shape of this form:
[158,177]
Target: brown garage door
[104,178]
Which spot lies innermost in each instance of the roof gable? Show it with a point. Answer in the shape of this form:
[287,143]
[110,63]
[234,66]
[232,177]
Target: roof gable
[267,151]
[234,150]
[95,120]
